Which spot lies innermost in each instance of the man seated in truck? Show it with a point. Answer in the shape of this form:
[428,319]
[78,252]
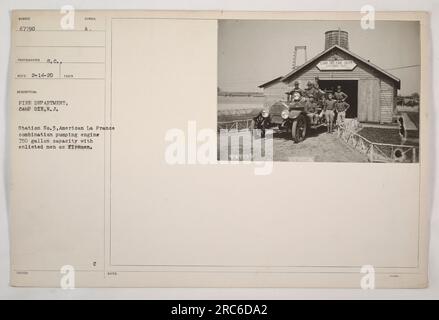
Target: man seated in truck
[311,109]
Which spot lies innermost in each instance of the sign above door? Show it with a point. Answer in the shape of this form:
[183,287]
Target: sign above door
[327,65]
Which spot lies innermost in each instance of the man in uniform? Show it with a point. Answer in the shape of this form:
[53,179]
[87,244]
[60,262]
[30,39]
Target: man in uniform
[339,95]
[329,108]
[341,108]
[310,90]
[319,93]
[311,108]
[296,90]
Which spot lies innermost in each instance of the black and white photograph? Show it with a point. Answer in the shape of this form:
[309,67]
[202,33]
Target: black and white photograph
[321,91]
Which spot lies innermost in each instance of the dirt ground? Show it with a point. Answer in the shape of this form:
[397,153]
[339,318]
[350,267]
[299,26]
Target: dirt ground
[319,146]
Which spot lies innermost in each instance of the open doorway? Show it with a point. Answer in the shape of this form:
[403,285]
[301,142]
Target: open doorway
[350,87]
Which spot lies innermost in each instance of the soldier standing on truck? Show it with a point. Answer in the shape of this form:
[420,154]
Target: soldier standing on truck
[313,90]
[319,93]
[329,108]
[310,90]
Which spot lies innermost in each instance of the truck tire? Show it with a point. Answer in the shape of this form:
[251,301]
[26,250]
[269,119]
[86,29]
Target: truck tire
[298,129]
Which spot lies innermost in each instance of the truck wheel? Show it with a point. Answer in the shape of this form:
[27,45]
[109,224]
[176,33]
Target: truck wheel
[298,129]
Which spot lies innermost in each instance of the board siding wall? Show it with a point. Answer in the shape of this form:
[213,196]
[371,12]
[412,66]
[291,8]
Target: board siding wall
[387,101]
[369,100]
[275,92]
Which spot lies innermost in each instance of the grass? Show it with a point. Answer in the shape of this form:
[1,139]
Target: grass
[414,116]
[235,115]
[381,135]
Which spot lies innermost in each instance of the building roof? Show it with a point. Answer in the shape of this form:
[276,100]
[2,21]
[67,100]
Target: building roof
[357,57]
[266,84]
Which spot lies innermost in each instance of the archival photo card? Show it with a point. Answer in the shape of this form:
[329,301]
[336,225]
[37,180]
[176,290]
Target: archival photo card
[218,149]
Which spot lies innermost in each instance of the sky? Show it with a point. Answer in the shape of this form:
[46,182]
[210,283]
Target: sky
[251,52]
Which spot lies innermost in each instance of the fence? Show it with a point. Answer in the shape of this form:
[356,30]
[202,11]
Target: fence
[375,152]
[235,125]
[378,152]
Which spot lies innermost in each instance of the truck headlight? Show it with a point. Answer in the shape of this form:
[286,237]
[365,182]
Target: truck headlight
[265,113]
[285,114]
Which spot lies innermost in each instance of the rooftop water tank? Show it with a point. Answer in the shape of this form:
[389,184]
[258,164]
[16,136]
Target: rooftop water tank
[336,37]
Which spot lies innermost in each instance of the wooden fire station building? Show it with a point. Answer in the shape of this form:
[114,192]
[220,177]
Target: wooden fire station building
[372,91]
